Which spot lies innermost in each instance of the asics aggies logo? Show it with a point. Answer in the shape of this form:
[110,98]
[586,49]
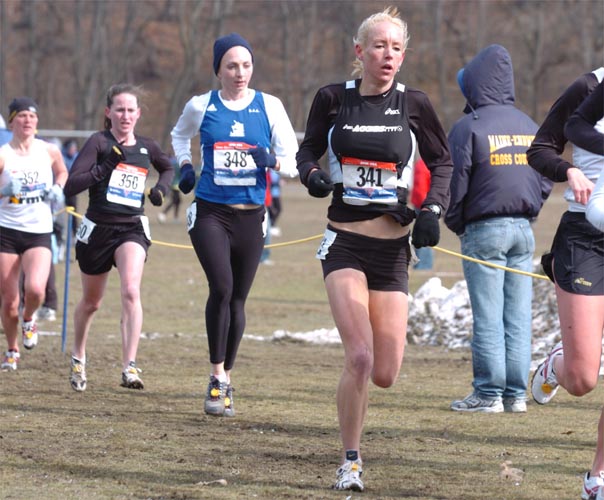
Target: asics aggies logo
[373,128]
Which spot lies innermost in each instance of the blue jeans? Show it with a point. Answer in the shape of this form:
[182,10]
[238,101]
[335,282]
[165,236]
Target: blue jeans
[426,258]
[501,304]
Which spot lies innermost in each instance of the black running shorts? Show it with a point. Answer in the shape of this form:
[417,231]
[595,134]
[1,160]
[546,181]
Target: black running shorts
[17,242]
[384,262]
[578,256]
[97,256]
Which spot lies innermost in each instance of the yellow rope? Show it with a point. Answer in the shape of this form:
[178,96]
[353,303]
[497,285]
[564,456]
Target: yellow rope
[72,211]
[489,264]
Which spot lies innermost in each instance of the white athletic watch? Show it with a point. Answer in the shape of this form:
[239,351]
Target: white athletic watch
[434,208]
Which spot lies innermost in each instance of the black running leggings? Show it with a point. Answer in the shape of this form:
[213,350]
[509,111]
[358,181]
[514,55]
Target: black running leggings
[228,243]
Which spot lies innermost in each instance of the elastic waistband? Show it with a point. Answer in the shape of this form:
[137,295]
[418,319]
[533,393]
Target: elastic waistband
[361,237]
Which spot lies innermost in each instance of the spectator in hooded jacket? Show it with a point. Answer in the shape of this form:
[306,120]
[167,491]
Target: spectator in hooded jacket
[494,196]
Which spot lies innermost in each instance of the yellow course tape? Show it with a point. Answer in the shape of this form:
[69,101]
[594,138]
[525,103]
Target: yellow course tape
[72,211]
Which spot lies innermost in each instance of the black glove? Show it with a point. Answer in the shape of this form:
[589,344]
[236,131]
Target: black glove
[426,231]
[187,178]
[156,197]
[115,156]
[319,184]
[262,158]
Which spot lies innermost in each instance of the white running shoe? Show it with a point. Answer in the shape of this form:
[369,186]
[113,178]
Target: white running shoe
[545,385]
[130,378]
[46,314]
[11,358]
[475,403]
[593,487]
[348,476]
[514,405]
[29,331]
[229,404]
[77,376]
[214,403]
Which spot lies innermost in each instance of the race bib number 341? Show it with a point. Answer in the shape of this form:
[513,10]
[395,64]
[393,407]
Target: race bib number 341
[127,185]
[367,181]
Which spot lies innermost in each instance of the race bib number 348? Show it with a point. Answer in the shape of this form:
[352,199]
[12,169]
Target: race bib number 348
[232,164]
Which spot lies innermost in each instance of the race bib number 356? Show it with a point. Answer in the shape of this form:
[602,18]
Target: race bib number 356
[127,185]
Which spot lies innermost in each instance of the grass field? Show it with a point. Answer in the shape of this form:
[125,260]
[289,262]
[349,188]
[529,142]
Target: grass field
[111,443]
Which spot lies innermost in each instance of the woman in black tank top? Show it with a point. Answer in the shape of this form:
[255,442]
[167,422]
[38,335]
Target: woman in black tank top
[369,128]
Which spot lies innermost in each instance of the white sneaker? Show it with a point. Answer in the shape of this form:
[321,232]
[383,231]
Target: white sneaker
[11,358]
[77,376]
[161,217]
[46,314]
[514,405]
[29,331]
[545,385]
[475,403]
[593,487]
[130,378]
[348,476]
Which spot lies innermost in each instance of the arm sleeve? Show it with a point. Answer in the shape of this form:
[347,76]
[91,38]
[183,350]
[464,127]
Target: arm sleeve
[283,137]
[433,147]
[595,207]
[580,129]
[161,162]
[85,171]
[461,151]
[544,153]
[187,127]
[315,140]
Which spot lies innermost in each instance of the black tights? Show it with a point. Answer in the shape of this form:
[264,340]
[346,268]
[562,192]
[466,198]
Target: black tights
[228,243]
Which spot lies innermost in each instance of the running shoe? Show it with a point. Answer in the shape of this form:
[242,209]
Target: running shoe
[229,408]
[593,487]
[46,314]
[514,405]
[348,476]
[29,329]
[214,403]
[10,360]
[545,385]
[77,376]
[475,403]
[130,378]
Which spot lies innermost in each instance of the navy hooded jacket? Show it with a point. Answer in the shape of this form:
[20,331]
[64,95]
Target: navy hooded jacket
[491,176]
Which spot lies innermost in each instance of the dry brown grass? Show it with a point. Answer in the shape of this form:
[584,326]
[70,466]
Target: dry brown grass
[113,443]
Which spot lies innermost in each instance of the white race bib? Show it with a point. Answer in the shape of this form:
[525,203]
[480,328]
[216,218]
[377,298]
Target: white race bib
[233,166]
[191,216]
[127,185]
[328,238]
[85,230]
[367,181]
[146,227]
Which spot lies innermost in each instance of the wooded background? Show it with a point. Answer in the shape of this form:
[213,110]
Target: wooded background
[66,53]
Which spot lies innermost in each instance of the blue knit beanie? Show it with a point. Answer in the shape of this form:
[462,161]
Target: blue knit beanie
[222,44]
